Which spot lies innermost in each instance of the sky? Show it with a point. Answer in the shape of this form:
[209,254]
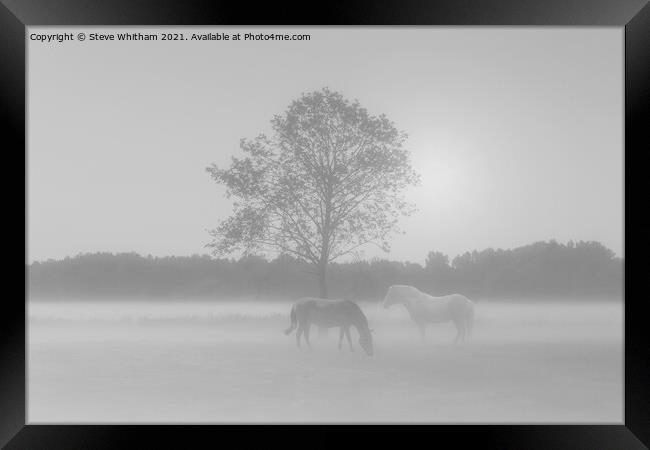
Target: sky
[517,133]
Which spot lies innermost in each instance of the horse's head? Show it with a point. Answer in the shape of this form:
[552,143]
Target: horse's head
[397,294]
[365,340]
[390,299]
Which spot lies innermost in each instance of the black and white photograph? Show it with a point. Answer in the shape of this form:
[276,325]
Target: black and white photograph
[325,225]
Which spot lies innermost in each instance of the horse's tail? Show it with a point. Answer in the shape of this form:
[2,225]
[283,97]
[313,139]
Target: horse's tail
[294,322]
[470,318]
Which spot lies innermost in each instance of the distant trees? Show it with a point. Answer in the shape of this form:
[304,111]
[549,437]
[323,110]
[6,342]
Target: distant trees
[327,181]
[437,262]
[547,268]
[542,269]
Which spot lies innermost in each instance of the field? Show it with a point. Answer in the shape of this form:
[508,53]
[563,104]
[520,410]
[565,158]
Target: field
[193,362]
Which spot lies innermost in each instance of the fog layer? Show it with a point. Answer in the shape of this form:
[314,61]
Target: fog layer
[230,362]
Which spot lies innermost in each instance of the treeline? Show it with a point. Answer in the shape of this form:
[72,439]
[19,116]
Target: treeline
[540,270]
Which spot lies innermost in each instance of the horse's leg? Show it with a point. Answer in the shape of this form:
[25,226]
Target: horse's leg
[347,334]
[460,327]
[341,333]
[298,334]
[422,331]
[307,327]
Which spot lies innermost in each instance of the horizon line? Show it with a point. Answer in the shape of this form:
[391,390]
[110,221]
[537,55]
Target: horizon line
[266,257]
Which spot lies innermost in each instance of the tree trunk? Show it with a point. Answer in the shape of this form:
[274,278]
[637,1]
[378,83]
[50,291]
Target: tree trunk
[322,288]
[322,280]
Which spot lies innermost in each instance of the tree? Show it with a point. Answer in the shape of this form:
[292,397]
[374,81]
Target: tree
[327,181]
[437,262]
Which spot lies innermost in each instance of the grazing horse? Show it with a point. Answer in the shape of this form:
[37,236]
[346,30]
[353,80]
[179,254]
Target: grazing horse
[424,308]
[328,314]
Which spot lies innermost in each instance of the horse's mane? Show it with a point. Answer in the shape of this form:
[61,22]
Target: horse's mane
[403,287]
[362,317]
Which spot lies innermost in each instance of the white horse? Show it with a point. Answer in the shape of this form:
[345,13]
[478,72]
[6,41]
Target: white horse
[424,308]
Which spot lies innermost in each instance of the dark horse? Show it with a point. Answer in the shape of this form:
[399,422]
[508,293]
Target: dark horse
[328,314]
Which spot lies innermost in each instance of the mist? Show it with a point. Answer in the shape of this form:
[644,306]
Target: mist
[230,362]
[184,194]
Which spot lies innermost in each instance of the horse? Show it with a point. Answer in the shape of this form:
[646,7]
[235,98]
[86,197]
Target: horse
[424,308]
[328,314]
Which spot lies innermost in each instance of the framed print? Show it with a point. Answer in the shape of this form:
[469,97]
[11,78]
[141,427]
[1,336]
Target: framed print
[396,220]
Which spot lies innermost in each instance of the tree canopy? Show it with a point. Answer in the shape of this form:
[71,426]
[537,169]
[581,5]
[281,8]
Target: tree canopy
[328,180]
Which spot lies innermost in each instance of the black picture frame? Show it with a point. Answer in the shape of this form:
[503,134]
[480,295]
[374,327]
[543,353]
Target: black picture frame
[633,15]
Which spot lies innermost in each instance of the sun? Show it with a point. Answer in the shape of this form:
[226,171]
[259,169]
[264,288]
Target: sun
[442,180]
